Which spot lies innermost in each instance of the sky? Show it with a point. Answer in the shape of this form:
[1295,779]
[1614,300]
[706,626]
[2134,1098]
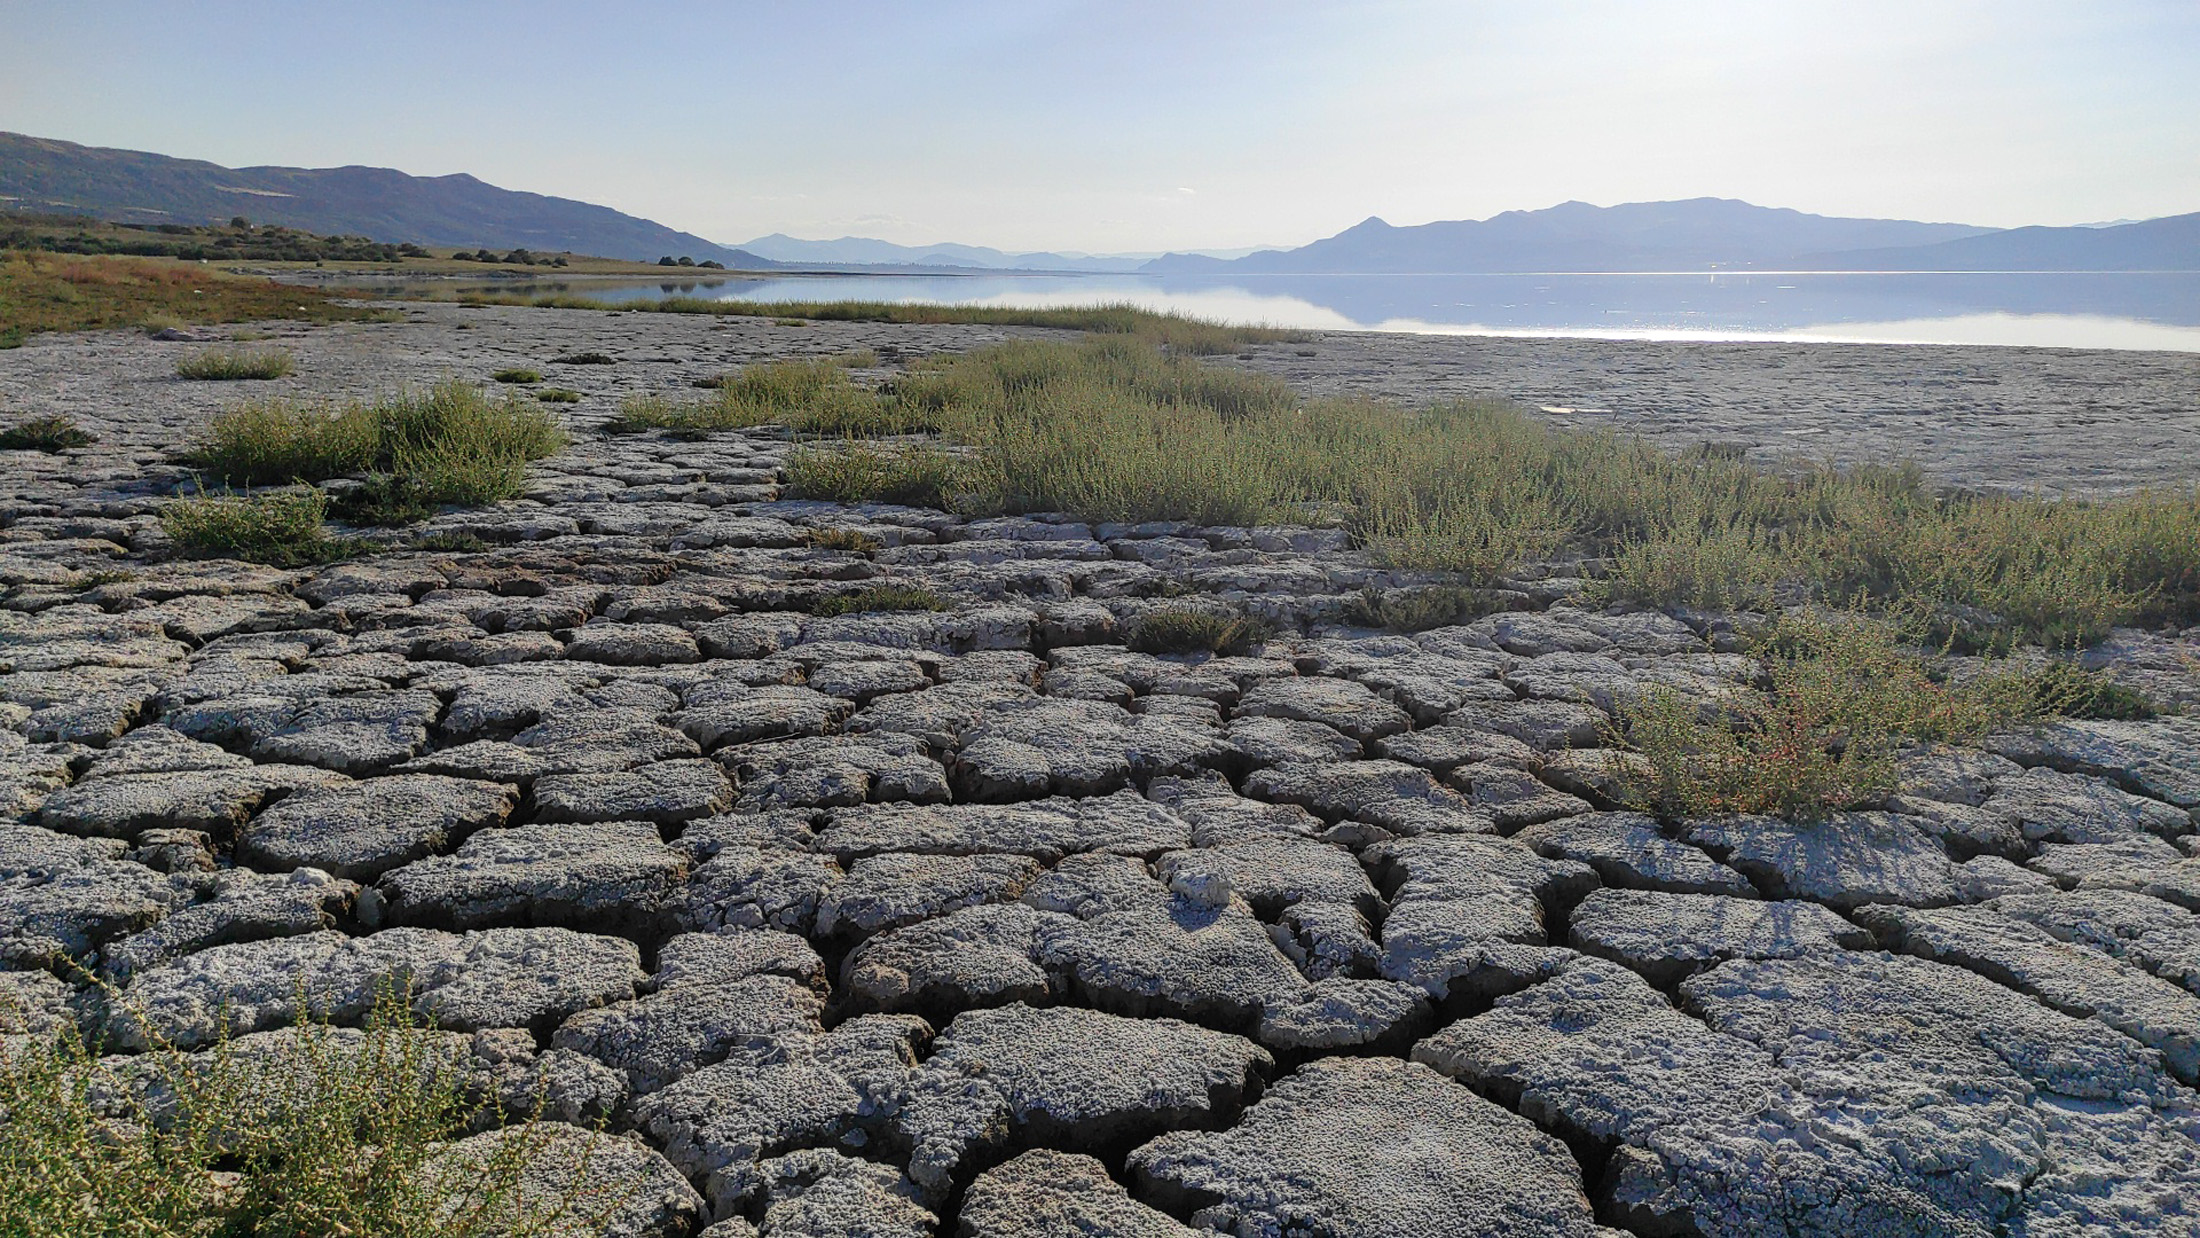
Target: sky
[1135,126]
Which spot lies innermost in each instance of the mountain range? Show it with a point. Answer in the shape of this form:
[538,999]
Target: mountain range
[1695,234]
[379,203]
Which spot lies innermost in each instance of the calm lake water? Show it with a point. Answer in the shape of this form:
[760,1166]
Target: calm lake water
[2069,310]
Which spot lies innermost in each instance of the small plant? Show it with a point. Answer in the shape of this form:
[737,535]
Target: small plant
[517,376]
[916,476]
[585,358]
[1416,610]
[878,598]
[2065,689]
[791,322]
[231,364]
[1818,735]
[557,395]
[53,433]
[851,541]
[1196,631]
[279,527]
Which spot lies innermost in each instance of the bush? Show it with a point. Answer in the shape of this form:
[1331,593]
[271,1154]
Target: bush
[2065,689]
[230,364]
[53,433]
[1818,734]
[1195,631]
[309,1131]
[1416,610]
[558,395]
[851,541]
[878,598]
[516,376]
[916,476]
[279,527]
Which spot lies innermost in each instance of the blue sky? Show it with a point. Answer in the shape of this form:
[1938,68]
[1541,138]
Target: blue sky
[1145,126]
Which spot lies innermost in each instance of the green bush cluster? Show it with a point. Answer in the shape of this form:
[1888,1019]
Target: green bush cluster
[281,527]
[51,433]
[231,364]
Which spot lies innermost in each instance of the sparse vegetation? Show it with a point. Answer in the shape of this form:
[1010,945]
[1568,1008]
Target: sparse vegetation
[51,433]
[309,1131]
[232,364]
[558,395]
[1818,733]
[517,376]
[856,473]
[279,527]
[878,598]
[579,358]
[1416,610]
[850,541]
[811,396]
[1195,631]
[52,292]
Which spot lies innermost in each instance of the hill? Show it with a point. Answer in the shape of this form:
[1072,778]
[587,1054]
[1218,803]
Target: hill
[382,204]
[1692,234]
[2171,243]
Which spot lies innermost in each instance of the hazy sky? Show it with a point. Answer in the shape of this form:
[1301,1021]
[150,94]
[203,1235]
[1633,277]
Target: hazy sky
[1136,126]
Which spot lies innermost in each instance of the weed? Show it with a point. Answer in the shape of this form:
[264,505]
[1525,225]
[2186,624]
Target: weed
[309,1130]
[557,395]
[851,541]
[448,543]
[1818,734]
[852,473]
[585,358]
[52,433]
[517,376]
[878,598]
[2065,689]
[280,527]
[231,364]
[1195,631]
[1416,610]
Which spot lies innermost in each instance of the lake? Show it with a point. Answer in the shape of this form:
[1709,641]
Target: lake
[2128,310]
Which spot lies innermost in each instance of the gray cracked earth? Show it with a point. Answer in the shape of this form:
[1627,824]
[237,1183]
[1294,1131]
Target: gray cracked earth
[977,922]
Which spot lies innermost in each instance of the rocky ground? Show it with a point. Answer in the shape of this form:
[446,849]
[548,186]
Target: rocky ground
[976,922]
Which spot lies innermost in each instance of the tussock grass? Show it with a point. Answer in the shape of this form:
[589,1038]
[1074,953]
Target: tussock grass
[557,395]
[1841,695]
[309,1131]
[849,541]
[234,364]
[52,433]
[54,292]
[519,376]
[856,473]
[1195,631]
[813,396]
[1117,429]
[419,451]
[1416,610]
[280,527]
[879,598]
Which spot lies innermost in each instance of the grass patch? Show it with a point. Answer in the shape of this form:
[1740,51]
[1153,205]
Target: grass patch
[1819,733]
[581,358]
[856,473]
[558,395]
[1195,631]
[848,541]
[53,433]
[54,292]
[232,364]
[279,527]
[812,396]
[1416,610]
[517,376]
[2065,689]
[309,1131]
[878,598]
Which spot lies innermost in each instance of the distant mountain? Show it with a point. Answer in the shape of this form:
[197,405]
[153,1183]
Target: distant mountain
[864,251]
[2171,243]
[380,203]
[1694,234]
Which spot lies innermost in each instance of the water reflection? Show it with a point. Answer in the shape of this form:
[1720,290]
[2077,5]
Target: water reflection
[2074,310]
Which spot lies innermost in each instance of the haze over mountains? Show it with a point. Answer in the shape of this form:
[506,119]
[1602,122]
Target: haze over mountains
[1695,234]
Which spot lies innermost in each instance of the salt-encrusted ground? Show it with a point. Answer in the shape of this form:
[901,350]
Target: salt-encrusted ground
[976,922]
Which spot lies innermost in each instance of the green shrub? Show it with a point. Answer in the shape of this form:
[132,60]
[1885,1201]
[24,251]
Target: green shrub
[850,473]
[1195,631]
[309,1131]
[517,376]
[878,598]
[280,527]
[273,442]
[557,395]
[52,433]
[1819,734]
[851,541]
[2065,689]
[1416,610]
[229,364]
